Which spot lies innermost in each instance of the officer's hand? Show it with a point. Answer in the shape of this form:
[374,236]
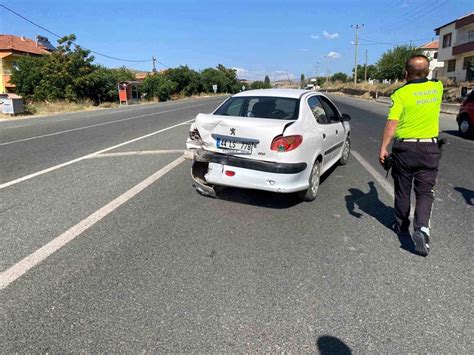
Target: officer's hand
[382,155]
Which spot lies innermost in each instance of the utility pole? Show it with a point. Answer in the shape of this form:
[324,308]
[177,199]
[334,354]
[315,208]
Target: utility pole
[365,76]
[316,72]
[154,66]
[329,71]
[356,48]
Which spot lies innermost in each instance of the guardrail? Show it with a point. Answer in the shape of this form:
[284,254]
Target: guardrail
[452,109]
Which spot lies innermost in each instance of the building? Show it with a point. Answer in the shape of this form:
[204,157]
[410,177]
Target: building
[13,47]
[456,48]
[430,49]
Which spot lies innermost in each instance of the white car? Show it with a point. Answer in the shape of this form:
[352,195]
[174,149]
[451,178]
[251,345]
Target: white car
[279,140]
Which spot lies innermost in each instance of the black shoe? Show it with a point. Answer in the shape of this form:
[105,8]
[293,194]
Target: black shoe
[403,232]
[422,243]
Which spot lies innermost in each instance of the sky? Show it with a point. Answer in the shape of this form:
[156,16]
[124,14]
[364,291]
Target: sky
[278,38]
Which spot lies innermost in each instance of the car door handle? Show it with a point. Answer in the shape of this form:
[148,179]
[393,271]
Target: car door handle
[324,136]
[337,132]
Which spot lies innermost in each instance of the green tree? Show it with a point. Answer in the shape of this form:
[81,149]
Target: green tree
[391,65]
[105,83]
[339,77]
[371,72]
[65,74]
[259,85]
[267,81]
[187,80]
[302,81]
[224,78]
[27,75]
[158,86]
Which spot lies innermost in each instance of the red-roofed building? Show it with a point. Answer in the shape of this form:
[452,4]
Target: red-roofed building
[430,49]
[11,48]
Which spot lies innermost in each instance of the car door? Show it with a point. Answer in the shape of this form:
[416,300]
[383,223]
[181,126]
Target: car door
[321,123]
[335,127]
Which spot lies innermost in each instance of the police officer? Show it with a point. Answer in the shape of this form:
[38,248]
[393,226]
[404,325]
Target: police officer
[413,124]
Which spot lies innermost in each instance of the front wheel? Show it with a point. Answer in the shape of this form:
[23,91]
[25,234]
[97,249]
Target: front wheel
[312,191]
[465,127]
[346,151]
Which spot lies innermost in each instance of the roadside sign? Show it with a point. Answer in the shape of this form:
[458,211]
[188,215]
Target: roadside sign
[243,87]
[214,87]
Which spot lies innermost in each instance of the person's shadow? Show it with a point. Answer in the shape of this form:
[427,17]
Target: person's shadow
[370,204]
[331,345]
[467,194]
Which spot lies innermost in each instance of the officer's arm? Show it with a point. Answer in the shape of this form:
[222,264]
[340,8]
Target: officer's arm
[396,110]
[388,133]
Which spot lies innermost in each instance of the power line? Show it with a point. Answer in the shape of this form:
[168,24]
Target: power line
[76,44]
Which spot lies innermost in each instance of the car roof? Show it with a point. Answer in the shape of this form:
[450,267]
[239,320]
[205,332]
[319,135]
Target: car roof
[290,93]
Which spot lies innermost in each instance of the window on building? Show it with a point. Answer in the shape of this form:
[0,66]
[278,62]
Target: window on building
[468,62]
[435,55]
[470,36]
[451,65]
[447,40]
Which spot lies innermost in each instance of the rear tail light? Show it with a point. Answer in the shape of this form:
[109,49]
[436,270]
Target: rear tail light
[194,135]
[285,144]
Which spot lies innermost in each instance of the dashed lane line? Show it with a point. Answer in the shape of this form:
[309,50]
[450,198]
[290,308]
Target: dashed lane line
[20,268]
[59,166]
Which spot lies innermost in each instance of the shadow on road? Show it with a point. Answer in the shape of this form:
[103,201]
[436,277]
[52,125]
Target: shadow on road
[370,204]
[257,198]
[264,198]
[467,194]
[331,345]
[454,133]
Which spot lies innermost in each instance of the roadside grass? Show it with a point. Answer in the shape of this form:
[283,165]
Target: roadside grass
[49,108]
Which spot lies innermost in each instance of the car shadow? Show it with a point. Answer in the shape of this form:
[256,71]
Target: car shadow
[370,204]
[264,198]
[455,133]
[328,345]
[467,194]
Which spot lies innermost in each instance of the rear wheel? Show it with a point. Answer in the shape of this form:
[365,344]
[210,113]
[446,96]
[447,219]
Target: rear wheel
[346,151]
[465,127]
[312,191]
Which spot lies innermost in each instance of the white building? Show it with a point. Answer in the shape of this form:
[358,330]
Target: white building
[430,49]
[456,48]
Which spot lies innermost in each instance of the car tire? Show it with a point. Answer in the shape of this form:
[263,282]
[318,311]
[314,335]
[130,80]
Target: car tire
[312,191]
[346,151]
[465,128]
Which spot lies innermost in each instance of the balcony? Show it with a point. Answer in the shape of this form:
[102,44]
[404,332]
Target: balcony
[463,45]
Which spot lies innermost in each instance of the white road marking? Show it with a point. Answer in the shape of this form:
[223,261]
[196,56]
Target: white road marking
[20,268]
[44,171]
[22,125]
[99,124]
[387,186]
[377,176]
[139,152]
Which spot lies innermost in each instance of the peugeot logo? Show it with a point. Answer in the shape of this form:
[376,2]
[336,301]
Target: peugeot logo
[232,131]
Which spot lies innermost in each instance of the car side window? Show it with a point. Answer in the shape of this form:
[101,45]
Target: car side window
[317,109]
[331,111]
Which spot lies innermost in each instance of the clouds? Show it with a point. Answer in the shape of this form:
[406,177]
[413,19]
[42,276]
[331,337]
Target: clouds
[275,75]
[334,55]
[328,35]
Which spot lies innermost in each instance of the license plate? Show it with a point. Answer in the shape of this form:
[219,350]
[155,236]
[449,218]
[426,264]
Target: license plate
[236,145]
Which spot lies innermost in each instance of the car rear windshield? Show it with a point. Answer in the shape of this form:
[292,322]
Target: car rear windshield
[278,108]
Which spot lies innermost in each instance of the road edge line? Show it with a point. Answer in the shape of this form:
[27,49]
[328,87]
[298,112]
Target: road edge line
[24,265]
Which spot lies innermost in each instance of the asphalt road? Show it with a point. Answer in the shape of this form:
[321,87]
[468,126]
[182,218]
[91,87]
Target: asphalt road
[106,247]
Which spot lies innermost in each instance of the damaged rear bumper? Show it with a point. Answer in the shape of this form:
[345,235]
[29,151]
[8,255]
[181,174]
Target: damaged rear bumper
[202,155]
[210,169]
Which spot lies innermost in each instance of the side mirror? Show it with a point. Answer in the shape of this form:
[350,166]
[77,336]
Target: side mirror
[345,117]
